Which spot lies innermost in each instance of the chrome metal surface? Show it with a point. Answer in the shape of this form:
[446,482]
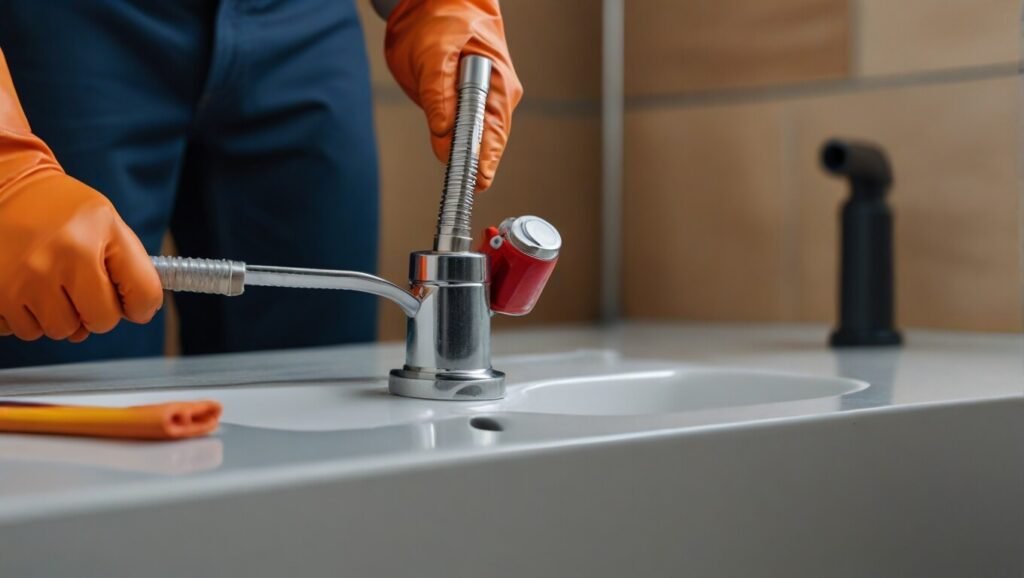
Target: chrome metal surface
[478,386]
[448,343]
[448,346]
[332,279]
[454,233]
[475,72]
[452,330]
[229,278]
[216,276]
[448,267]
[533,236]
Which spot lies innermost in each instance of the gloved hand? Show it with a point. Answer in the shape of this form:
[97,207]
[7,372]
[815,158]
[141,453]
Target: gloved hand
[69,266]
[424,41]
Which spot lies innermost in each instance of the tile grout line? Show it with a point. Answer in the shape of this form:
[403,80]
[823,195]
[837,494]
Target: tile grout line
[826,87]
[591,107]
[580,107]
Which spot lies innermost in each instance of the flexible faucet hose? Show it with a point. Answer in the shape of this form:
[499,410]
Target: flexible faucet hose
[454,229]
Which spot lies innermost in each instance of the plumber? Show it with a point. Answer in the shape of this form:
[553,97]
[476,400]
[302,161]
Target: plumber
[243,126]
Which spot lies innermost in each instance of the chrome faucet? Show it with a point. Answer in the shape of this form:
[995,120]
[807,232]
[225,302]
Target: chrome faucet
[448,306]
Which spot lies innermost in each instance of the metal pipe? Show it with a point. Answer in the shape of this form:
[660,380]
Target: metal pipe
[454,232]
[229,278]
[612,123]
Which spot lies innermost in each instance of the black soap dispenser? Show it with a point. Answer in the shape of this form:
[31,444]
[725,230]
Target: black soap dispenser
[866,279]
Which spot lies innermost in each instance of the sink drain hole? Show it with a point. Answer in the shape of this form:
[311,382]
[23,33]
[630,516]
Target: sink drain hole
[486,424]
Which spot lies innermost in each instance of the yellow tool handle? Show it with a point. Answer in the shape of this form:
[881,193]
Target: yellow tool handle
[163,421]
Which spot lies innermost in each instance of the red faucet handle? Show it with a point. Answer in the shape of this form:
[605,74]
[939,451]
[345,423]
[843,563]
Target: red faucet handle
[522,253]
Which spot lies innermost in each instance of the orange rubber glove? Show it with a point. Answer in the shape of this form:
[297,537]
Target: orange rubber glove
[69,266]
[424,41]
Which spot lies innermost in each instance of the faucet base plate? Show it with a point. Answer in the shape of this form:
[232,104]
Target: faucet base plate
[483,385]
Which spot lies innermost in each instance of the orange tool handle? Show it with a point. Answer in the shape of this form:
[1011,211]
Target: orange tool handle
[162,421]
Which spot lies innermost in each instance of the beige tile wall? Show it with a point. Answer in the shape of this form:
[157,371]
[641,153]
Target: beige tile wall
[680,46]
[728,216]
[551,167]
[705,212]
[927,35]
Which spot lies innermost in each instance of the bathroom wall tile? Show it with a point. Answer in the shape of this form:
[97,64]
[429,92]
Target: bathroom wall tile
[954,149]
[919,35]
[705,214]
[550,169]
[700,45]
[556,47]
[410,191]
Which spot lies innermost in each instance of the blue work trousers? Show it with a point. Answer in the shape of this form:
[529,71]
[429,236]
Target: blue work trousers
[245,127]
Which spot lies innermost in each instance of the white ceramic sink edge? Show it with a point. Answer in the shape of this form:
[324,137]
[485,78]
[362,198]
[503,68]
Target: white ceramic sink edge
[549,397]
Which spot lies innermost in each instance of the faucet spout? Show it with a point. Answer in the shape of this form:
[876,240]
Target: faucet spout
[229,278]
[261,275]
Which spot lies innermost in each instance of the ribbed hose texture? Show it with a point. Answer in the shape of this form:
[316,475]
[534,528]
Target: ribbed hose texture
[214,276]
[460,178]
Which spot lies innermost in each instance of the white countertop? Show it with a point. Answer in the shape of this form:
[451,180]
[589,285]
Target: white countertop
[42,475]
[931,366]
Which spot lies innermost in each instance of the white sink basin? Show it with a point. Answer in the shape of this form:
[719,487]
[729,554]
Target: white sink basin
[670,391]
[548,397]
